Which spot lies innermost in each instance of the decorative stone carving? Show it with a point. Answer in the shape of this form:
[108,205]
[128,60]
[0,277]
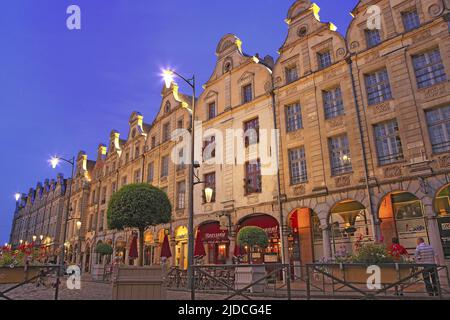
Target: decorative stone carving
[434,91]
[336,123]
[444,161]
[340,52]
[372,57]
[393,172]
[302,31]
[268,87]
[422,36]
[435,10]
[343,181]
[382,108]
[300,190]
[354,45]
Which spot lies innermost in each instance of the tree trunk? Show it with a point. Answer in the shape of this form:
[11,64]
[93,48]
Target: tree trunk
[141,248]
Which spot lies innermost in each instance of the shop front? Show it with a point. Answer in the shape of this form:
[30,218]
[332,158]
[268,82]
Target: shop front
[120,250]
[402,217]
[216,242]
[272,254]
[181,248]
[350,224]
[442,207]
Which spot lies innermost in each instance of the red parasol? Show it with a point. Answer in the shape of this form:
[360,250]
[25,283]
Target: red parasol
[238,251]
[133,254]
[199,249]
[165,249]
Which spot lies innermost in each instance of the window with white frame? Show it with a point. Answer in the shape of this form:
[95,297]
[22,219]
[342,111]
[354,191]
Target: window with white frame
[166,132]
[340,155]
[294,119]
[181,195]
[332,103]
[297,165]
[164,166]
[438,121]
[247,93]
[429,68]
[150,172]
[291,74]
[211,110]
[388,142]
[378,87]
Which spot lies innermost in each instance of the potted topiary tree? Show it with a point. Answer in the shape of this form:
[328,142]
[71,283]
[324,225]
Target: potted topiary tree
[103,250]
[138,206]
[252,238]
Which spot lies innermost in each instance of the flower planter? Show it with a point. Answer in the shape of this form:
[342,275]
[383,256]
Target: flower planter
[358,273]
[18,274]
[244,276]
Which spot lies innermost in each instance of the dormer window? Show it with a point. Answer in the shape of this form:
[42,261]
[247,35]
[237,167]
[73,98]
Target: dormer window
[166,132]
[291,74]
[410,20]
[373,37]
[324,59]
[167,107]
[153,143]
[247,93]
[211,110]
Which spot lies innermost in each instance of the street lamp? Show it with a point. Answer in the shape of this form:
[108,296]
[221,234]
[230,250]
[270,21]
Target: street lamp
[21,241]
[54,162]
[209,194]
[169,77]
[78,225]
[41,237]
[34,238]
[17,196]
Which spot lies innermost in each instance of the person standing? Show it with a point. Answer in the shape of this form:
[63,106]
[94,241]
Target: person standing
[425,254]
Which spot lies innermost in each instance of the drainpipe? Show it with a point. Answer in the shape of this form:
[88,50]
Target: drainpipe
[363,146]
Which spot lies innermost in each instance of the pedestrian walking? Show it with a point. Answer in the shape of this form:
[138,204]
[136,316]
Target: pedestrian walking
[425,254]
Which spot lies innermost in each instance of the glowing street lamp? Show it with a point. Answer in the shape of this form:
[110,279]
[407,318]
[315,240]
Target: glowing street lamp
[21,241]
[168,77]
[34,238]
[209,194]
[79,225]
[54,161]
[41,237]
[17,196]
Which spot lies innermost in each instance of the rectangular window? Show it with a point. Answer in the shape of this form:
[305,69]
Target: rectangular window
[324,59]
[247,93]
[104,195]
[253,179]
[166,132]
[373,37]
[251,132]
[291,74]
[429,68]
[150,172]
[137,176]
[164,166]
[209,148]
[153,145]
[297,165]
[113,188]
[294,117]
[339,155]
[410,20]
[388,142]
[101,221]
[210,182]
[211,110]
[181,163]
[137,152]
[438,121]
[181,195]
[124,181]
[332,103]
[378,87]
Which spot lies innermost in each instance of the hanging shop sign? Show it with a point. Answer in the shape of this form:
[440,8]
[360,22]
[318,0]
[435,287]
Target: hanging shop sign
[444,228]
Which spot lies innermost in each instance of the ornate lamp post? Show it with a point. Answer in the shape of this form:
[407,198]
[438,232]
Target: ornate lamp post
[55,161]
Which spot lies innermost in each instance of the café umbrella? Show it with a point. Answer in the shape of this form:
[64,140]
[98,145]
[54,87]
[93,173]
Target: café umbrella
[199,250]
[134,248]
[165,249]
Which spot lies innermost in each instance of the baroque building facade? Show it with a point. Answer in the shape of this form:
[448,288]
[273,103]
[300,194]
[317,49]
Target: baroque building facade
[363,154]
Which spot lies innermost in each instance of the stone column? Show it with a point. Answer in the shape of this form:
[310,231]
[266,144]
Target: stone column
[232,237]
[327,252]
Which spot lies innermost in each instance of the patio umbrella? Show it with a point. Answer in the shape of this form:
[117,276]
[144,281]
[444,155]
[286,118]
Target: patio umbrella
[199,249]
[238,251]
[165,249]
[133,254]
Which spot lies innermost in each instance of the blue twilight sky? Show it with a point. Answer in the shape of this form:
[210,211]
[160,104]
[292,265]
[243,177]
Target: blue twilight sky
[63,91]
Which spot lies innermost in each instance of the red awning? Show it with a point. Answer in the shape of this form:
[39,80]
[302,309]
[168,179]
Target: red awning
[238,252]
[211,233]
[199,249]
[165,248]
[268,223]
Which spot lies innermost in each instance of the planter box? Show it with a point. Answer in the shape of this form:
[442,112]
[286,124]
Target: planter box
[356,273]
[138,283]
[247,275]
[18,274]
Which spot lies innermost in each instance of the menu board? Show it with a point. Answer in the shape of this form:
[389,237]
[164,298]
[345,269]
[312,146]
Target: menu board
[444,228]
